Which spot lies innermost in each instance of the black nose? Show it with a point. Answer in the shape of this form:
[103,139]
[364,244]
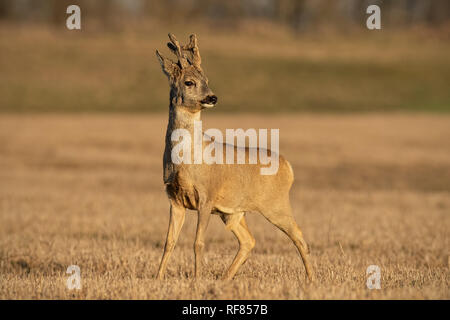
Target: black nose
[212,99]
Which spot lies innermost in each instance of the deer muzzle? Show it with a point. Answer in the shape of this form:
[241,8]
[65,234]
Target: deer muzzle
[209,102]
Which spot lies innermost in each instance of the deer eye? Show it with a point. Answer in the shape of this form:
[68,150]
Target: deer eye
[189,83]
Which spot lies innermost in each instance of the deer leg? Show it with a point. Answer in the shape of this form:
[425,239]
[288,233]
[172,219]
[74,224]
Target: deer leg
[286,223]
[177,214]
[204,214]
[246,243]
[253,242]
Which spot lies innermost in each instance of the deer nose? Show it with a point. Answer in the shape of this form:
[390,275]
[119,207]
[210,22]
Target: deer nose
[212,99]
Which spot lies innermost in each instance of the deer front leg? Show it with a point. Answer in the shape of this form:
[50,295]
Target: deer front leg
[204,213]
[177,214]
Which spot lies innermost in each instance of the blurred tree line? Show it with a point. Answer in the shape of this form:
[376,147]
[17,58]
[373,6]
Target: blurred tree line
[299,15]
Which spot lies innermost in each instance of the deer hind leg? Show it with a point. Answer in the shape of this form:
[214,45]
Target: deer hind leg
[236,223]
[177,214]
[286,223]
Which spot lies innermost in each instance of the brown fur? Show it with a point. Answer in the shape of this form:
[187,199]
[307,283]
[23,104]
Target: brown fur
[225,189]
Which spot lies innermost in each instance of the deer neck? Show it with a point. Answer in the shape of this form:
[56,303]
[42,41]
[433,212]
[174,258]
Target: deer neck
[179,118]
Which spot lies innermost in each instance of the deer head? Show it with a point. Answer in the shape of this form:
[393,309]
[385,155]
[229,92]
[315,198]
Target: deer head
[188,83]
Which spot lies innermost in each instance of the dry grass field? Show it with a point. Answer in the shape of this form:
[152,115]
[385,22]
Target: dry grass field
[87,190]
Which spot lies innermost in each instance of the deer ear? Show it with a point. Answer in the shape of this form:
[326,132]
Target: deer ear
[170,68]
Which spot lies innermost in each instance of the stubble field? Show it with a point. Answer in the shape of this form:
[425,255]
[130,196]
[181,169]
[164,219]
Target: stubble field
[87,190]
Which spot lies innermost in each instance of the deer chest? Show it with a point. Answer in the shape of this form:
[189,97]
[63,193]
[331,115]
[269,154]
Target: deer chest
[182,191]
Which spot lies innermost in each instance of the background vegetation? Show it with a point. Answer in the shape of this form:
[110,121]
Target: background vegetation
[258,57]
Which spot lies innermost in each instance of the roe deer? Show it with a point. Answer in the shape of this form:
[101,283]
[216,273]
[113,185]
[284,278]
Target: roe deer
[224,189]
